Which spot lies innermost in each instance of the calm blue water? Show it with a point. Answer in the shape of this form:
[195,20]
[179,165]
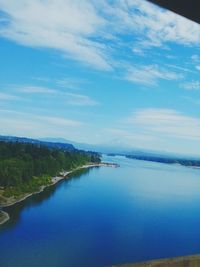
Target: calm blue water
[104,216]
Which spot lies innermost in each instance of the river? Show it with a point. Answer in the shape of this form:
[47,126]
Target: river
[102,216]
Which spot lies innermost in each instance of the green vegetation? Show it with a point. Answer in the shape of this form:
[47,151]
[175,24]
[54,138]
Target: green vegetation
[32,185]
[24,167]
[1,216]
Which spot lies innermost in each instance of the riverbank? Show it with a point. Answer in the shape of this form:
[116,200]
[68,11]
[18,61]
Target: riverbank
[4,217]
[186,261]
[5,202]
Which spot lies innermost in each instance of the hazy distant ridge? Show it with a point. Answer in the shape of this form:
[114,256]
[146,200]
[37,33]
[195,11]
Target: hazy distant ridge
[58,145]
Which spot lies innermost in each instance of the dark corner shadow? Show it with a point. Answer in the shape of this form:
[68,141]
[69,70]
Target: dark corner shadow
[189,9]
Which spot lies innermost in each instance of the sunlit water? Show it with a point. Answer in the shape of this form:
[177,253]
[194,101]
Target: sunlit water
[102,216]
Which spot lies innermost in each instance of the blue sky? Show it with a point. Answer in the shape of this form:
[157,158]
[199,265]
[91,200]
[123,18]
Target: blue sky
[122,73]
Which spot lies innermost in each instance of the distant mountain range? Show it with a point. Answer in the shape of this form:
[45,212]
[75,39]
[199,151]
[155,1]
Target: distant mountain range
[117,150]
[62,143]
[88,147]
[68,145]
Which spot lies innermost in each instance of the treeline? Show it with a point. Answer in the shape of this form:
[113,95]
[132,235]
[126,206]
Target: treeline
[21,163]
[184,162]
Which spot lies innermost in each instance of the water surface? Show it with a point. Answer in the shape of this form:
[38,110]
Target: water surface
[102,216]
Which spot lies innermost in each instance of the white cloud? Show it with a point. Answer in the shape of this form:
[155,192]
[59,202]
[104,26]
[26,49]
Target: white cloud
[165,123]
[149,75]
[193,85]
[180,68]
[71,98]
[68,26]
[80,100]
[157,129]
[44,119]
[69,83]
[138,51]
[154,25]
[4,96]
[165,26]
[195,58]
[59,121]
[33,125]
[35,90]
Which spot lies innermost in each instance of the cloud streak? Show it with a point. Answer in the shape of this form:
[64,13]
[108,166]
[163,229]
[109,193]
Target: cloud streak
[166,123]
[33,125]
[71,98]
[80,100]
[193,85]
[7,97]
[35,90]
[149,75]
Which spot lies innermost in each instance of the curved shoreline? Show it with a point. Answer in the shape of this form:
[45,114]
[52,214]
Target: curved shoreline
[5,216]
[182,261]
[54,180]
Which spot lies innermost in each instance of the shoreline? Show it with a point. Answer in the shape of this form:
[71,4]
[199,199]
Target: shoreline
[54,180]
[5,216]
[180,261]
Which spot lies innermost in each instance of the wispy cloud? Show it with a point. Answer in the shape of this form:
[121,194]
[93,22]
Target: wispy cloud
[4,96]
[70,83]
[195,58]
[196,61]
[59,121]
[62,121]
[35,89]
[193,100]
[154,26]
[150,74]
[165,123]
[41,79]
[80,100]
[54,24]
[162,26]
[193,85]
[34,125]
[156,129]
[70,98]
[180,68]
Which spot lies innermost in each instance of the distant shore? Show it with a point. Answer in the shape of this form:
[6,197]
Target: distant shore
[4,216]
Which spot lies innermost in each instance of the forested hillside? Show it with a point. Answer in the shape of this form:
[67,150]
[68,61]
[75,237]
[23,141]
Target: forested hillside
[23,164]
[56,145]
